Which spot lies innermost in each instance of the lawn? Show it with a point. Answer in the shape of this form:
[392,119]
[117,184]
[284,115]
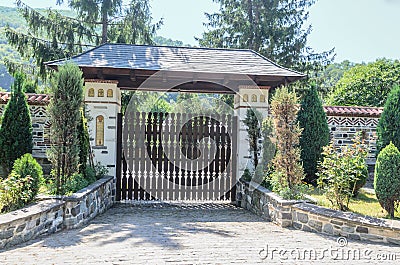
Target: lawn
[365,203]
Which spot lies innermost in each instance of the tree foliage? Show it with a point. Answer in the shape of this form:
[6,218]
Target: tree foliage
[388,129]
[288,175]
[16,126]
[67,97]
[51,35]
[343,172]
[366,84]
[312,119]
[387,178]
[273,28]
[252,121]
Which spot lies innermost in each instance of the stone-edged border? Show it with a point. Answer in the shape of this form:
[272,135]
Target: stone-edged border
[308,217]
[52,214]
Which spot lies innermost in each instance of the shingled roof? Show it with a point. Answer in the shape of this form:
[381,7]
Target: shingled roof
[182,59]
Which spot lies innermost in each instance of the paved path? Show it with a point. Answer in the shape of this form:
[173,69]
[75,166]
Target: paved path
[189,234]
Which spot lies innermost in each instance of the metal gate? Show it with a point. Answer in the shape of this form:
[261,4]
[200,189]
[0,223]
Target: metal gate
[176,156]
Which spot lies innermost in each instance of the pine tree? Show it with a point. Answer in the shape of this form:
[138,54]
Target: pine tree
[312,118]
[67,97]
[16,126]
[53,36]
[273,28]
[388,129]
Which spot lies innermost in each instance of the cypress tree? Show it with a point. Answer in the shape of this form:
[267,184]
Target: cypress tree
[312,118]
[388,129]
[16,126]
[67,97]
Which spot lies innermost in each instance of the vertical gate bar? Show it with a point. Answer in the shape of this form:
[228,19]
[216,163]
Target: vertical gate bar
[217,190]
[159,166]
[177,167]
[166,147]
[131,147]
[182,154]
[189,153]
[200,154]
[213,151]
[171,156]
[234,178]
[119,157]
[195,169]
[148,118]
[222,166]
[228,156]
[143,160]
[138,145]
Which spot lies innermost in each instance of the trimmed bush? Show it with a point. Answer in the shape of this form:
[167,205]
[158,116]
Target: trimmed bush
[22,185]
[388,129]
[387,178]
[315,135]
[28,166]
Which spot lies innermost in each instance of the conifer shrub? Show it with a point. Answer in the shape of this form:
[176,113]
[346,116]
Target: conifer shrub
[315,135]
[387,178]
[388,129]
[288,171]
[16,126]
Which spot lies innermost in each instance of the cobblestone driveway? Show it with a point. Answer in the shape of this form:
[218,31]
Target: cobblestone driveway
[189,234]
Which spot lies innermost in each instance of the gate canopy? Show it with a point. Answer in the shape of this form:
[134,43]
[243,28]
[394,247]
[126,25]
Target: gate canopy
[131,65]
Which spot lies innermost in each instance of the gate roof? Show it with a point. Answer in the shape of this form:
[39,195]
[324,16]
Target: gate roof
[132,64]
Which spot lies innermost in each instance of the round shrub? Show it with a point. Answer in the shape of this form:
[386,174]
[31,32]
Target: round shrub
[387,178]
[30,172]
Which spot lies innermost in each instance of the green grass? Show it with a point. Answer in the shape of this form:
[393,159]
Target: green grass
[365,204]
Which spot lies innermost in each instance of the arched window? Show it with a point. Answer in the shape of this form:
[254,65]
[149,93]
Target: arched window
[253,98]
[99,130]
[100,93]
[91,92]
[110,93]
[262,98]
[245,98]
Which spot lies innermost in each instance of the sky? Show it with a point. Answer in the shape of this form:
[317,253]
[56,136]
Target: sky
[359,30]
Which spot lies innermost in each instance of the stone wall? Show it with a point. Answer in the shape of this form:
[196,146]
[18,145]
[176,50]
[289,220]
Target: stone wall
[84,205]
[311,218]
[54,214]
[44,217]
[264,203]
[345,122]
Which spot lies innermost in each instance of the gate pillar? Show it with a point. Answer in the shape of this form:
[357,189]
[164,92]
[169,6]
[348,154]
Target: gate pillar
[103,102]
[254,97]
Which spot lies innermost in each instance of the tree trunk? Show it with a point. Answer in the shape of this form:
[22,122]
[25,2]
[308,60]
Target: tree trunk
[104,22]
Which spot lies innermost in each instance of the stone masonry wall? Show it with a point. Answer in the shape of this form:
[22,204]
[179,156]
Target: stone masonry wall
[264,203]
[343,130]
[54,214]
[40,129]
[311,218]
[84,205]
